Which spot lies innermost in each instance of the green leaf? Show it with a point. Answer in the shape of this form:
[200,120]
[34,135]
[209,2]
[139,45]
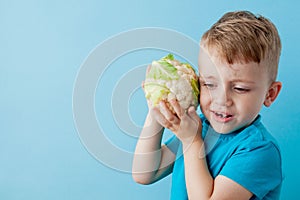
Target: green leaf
[195,86]
[168,57]
[162,70]
[155,92]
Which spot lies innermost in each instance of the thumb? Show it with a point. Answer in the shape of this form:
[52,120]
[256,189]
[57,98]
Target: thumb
[143,85]
[192,113]
[194,116]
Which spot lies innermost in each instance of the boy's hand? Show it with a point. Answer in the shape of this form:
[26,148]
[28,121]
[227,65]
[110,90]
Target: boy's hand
[186,125]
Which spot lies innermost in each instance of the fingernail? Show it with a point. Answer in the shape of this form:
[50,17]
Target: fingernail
[192,109]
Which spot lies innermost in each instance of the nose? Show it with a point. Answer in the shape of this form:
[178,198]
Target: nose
[222,97]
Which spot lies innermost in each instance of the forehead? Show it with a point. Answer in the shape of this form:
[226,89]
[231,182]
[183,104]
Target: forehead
[210,65]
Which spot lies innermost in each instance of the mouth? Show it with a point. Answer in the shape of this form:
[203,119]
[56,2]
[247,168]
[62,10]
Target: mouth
[222,116]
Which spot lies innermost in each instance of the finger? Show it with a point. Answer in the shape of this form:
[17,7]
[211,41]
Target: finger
[150,105]
[194,116]
[177,108]
[143,85]
[192,112]
[170,116]
[148,69]
[160,118]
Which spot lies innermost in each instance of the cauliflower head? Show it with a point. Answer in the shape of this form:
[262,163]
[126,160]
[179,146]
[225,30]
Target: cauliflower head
[169,79]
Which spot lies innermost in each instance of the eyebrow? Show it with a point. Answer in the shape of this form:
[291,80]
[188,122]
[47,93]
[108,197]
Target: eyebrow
[234,80]
[243,81]
[207,77]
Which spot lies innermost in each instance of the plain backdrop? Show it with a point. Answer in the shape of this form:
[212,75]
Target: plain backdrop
[42,46]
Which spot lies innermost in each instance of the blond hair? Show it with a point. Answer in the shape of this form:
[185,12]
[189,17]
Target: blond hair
[244,37]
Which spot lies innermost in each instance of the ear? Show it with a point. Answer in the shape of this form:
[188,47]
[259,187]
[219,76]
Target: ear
[272,93]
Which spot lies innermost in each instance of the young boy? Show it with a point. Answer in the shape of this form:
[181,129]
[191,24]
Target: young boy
[226,153]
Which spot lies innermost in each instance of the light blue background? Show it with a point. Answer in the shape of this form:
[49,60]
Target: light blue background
[42,46]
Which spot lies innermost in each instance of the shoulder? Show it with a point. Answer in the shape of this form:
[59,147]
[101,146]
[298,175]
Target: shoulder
[256,136]
[256,161]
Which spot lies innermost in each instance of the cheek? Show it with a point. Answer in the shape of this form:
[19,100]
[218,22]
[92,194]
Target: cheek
[205,98]
[250,105]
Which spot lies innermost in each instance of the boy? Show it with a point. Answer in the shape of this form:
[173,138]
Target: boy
[226,153]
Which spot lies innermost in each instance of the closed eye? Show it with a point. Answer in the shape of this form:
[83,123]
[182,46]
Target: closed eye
[208,85]
[241,90]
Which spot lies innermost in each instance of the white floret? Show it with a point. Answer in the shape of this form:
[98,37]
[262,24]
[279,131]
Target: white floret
[181,89]
[177,88]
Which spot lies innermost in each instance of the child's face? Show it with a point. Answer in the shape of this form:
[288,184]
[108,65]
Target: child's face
[231,96]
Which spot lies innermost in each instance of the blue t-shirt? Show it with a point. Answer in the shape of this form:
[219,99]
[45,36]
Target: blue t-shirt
[250,157]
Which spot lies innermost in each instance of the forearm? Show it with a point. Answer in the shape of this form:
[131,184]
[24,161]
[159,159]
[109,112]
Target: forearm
[199,181]
[147,156]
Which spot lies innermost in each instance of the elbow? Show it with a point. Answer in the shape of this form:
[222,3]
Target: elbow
[141,179]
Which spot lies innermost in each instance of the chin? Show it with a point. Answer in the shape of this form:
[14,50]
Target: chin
[224,128]
[220,129]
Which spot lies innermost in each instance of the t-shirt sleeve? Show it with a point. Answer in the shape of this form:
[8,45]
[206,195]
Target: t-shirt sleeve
[173,144]
[257,167]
